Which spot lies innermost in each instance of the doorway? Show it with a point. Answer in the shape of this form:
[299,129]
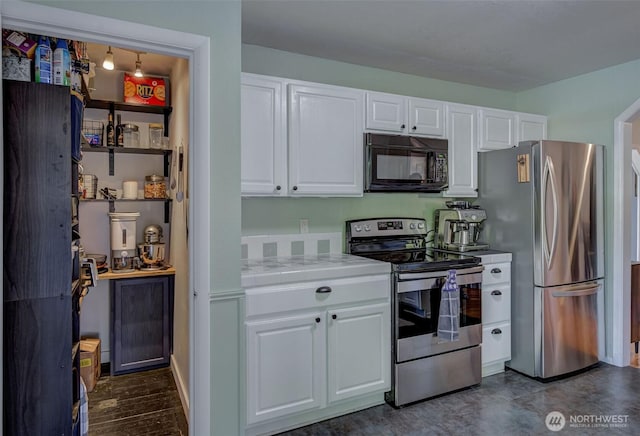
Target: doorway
[68,24]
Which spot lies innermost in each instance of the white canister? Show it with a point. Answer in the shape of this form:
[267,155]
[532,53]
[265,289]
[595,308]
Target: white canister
[130,189]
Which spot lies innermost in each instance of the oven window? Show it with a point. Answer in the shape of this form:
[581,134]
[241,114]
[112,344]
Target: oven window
[418,310]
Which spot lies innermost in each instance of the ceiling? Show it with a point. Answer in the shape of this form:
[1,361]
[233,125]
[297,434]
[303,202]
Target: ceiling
[507,44]
[125,60]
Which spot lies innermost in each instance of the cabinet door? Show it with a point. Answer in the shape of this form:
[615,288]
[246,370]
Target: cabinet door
[386,112]
[285,366]
[263,137]
[426,117]
[325,141]
[497,130]
[496,342]
[463,158]
[141,323]
[359,355]
[531,127]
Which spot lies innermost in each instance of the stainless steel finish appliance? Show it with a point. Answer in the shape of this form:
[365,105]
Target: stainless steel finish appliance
[395,163]
[458,227]
[423,366]
[152,250]
[546,199]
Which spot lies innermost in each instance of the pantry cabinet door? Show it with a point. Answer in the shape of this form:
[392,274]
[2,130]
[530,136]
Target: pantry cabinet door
[497,129]
[359,355]
[386,112]
[463,158]
[285,366]
[325,141]
[426,117]
[263,137]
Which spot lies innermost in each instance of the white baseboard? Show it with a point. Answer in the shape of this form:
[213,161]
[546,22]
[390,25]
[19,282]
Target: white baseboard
[183,388]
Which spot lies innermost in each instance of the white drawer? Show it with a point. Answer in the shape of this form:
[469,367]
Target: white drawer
[266,300]
[496,342]
[496,303]
[496,273]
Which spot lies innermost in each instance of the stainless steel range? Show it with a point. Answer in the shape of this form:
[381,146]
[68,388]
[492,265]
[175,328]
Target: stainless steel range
[423,366]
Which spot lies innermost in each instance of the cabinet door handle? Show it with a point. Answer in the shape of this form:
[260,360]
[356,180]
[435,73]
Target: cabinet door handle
[496,292]
[323,290]
[496,271]
[278,188]
[318,319]
[295,188]
[414,128]
[496,332]
[402,126]
[334,316]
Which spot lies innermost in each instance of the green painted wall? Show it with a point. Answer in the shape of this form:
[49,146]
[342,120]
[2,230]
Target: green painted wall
[584,108]
[282,215]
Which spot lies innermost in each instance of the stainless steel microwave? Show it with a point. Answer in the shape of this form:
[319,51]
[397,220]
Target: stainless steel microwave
[395,163]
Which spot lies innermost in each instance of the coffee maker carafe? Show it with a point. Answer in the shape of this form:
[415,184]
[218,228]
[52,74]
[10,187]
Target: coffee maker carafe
[458,227]
[123,241]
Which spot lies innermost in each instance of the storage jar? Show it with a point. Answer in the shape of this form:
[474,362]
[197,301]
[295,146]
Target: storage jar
[155,187]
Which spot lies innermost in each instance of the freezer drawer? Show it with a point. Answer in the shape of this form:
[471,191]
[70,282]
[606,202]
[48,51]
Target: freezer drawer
[569,328]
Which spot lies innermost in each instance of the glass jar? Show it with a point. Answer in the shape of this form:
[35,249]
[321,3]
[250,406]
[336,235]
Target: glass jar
[131,136]
[155,187]
[155,135]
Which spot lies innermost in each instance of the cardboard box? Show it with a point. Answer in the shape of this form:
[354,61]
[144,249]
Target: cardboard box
[145,90]
[19,41]
[16,68]
[90,362]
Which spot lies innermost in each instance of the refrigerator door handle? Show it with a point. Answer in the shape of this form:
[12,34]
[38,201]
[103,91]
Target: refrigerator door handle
[549,176]
[584,292]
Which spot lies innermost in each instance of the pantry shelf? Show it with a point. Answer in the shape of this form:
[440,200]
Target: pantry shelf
[129,150]
[112,208]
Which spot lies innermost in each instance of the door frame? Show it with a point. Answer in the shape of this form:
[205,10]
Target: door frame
[40,19]
[621,266]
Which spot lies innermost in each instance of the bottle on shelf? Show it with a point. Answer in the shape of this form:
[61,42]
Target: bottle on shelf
[119,132]
[43,61]
[111,134]
[61,64]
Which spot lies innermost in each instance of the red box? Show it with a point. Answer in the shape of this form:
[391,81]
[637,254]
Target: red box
[145,90]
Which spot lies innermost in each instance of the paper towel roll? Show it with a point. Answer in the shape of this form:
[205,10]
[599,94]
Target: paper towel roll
[130,189]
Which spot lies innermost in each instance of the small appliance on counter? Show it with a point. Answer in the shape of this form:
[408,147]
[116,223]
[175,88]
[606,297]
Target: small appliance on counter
[152,250]
[458,227]
[123,241]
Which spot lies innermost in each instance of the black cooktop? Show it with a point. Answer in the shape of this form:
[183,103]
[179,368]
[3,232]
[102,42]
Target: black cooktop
[423,260]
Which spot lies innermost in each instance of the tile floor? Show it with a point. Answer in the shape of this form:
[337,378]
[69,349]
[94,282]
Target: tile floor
[504,404]
[143,403]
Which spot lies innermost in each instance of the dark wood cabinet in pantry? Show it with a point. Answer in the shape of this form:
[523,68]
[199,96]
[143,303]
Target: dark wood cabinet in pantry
[141,323]
[41,279]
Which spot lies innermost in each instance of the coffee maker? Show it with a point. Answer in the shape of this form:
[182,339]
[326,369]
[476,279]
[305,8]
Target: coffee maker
[123,241]
[458,227]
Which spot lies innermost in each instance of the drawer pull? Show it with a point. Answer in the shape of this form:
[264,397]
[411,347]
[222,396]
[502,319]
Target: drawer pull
[496,292]
[318,320]
[334,316]
[496,332]
[496,271]
[323,290]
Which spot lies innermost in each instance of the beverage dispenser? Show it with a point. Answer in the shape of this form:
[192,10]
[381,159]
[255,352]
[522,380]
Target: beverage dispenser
[123,241]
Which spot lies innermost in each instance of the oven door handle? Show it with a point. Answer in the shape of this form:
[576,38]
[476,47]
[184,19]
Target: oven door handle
[435,274]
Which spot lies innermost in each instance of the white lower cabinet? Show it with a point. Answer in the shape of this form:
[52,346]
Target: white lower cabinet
[316,350]
[496,312]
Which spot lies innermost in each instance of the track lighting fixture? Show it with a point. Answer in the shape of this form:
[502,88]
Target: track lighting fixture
[138,72]
[107,64]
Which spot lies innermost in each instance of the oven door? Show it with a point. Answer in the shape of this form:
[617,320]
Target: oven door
[401,163]
[417,306]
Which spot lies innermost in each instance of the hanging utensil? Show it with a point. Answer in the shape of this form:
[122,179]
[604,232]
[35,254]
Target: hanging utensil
[180,193]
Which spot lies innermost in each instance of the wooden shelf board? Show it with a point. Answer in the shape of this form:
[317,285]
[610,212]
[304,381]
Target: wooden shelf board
[109,275]
[129,150]
[131,107]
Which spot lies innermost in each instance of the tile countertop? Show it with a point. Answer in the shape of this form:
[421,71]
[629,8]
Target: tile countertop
[280,270]
[491,256]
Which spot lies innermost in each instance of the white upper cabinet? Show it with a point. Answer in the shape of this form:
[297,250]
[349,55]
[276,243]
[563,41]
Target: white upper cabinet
[531,127]
[404,115]
[497,129]
[462,136]
[386,112]
[263,136]
[325,140]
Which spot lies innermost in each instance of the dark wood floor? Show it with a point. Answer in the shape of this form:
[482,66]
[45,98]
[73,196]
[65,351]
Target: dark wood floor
[143,403]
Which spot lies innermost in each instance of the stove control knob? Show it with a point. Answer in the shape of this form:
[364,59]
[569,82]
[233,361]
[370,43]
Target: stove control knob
[358,228]
[367,228]
[474,217]
[412,226]
[421,226]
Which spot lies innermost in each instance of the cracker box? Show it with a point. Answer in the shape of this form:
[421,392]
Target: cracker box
[145,90]
[90,362]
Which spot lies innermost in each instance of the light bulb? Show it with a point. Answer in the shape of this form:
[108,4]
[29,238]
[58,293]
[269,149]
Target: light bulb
[107,64]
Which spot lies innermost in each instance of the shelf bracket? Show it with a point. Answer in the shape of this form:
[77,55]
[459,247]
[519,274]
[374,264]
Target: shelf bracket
[112,206]
[166,164]
[111,162]
[166,211]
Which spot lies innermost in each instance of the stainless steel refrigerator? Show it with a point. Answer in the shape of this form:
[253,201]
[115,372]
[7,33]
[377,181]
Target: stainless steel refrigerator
[544,203]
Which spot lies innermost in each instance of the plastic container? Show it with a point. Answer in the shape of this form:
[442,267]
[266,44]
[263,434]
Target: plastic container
[155,135]
[42,63]
[61,64]
[155,187]
[131,136]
